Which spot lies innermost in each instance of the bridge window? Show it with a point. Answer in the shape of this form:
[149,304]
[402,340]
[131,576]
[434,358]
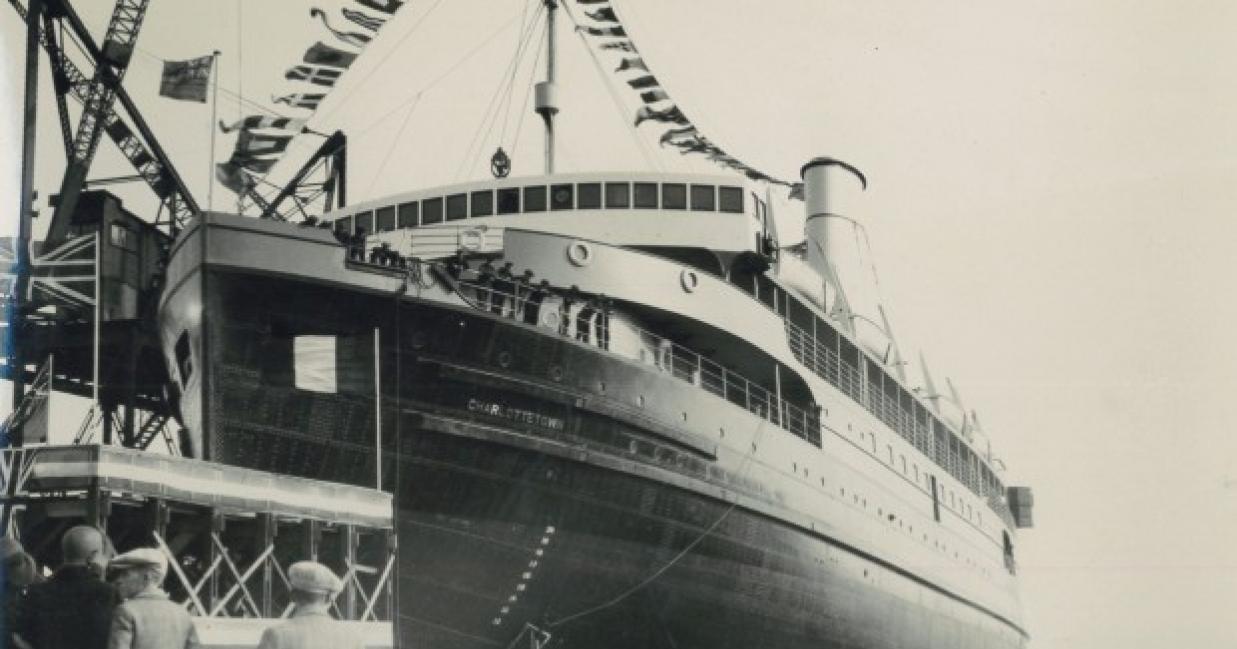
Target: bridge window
[703,199]
[121,237]
[386,218]
[431,211]
[482,203]
[365,222]
[674,196]
[509,201]
[562,197]
[730,199]
[344,225]
[618,195]
[534,199]
[588,196]
[457,206]
[646,195]
[409,214]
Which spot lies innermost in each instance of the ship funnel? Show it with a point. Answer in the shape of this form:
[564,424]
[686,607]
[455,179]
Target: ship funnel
[832,194]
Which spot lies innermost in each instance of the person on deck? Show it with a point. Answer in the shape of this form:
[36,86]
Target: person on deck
[73,609]
[536,295]
[147,619]
[564,309]
[584,320]
[504,289]
[485,279]
[311,626]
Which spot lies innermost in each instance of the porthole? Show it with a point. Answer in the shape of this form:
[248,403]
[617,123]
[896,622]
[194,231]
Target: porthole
[580,253]
[556,372]
[504,358]
[689,279]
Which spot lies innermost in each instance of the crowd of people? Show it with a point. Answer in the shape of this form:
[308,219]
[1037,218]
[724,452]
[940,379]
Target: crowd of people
[95,600]
[520,296]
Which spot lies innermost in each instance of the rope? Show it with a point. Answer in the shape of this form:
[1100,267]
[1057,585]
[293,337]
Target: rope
[618,599]
[482,132]
[381,62]
[394,141]
[607,81]
[519,126]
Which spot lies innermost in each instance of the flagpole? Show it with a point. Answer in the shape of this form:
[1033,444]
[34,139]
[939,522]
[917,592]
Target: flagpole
[214,104]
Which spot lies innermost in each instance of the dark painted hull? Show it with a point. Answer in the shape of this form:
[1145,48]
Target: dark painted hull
[519,502]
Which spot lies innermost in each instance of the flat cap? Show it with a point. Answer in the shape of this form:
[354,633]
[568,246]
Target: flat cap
[140,558]
[313,577]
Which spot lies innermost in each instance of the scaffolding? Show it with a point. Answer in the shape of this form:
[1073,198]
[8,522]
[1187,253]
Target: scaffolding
[229,533]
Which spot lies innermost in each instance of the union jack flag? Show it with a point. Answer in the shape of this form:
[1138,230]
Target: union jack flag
[64,275]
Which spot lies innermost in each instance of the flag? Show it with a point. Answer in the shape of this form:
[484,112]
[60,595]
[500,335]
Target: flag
[603,15]
[640,83]
[632,63]
[385,6]
[264,121]
[300,100]
[252,163]
[671,114]
[317,76]
[363,19]
[654,96]
[624,46]
[351,38]
[231,176]
[675,133]
[251,144]
[603,31]
[186,80]
[63,275]
[323,54]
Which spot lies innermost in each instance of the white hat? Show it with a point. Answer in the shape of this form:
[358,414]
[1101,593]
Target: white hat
[313,577]
[141,558]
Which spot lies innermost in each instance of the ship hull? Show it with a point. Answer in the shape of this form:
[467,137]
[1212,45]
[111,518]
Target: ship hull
[525,502]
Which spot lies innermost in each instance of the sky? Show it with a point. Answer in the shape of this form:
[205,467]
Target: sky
[1050,209]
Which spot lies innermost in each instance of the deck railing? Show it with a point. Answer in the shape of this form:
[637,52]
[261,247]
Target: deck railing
[668,356]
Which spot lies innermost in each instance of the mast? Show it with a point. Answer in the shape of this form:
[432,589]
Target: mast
[547,95]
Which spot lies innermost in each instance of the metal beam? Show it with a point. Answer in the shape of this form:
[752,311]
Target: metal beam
[24,217]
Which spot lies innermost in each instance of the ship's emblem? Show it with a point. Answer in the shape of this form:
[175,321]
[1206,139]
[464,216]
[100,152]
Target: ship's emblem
[500,163]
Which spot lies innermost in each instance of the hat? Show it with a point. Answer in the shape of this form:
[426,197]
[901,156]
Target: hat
[140,558]
[313,577]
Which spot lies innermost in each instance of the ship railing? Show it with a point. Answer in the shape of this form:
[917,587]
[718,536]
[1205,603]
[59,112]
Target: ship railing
[528,303]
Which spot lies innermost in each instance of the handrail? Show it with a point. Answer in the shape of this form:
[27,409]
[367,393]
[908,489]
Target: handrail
[670,357]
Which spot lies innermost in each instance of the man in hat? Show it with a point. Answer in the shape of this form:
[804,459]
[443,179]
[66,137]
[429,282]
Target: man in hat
[73,609]
[147,619]
[311,626]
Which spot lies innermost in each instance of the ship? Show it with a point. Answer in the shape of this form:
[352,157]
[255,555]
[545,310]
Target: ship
[612,409]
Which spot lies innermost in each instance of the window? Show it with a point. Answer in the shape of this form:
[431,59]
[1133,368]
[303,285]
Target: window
[386,219]
[431,211]
[730,199]
[534,199]
[618,195]
[674,196]
[457,206]
[588,196]
[365,223]
[482,203]
[509,201]
[344,225]
[120,236]
[646,195]
[703,199]
[184,362]
[562,197]
[409,214]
